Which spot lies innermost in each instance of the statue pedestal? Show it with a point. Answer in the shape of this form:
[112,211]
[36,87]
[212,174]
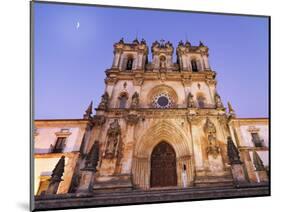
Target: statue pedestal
[262,176]
[216,165]
[108,167]
[86,181]
[113,183]
[238,174]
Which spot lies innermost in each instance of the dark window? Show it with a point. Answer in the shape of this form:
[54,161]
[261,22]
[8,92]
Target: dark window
[201,101]
[194,66]
[60,144]
[129,64]
[256,140]
[123,101]
[163,101]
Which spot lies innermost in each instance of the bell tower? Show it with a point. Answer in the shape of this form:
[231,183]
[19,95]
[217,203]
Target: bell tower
[193,58]
[162,56]
[130,56]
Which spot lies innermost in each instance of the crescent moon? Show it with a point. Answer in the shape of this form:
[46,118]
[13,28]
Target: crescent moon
[77,25]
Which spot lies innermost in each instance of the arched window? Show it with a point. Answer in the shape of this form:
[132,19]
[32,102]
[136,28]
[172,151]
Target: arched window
[201,101]
[194,65]
[129,65]
[123,101]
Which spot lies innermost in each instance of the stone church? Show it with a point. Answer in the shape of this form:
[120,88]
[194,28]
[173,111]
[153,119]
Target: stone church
[160,125]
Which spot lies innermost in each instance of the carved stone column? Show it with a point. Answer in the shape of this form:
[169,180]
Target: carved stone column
[132,120]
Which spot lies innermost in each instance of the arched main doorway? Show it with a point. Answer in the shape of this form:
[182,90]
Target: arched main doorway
[163,166]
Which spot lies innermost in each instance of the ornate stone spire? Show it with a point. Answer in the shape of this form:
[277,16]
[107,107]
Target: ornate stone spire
[232,152]
[92,158]
[136,41]
[89,111]
[121,41]
[231,110]
[58,170]
[104,101]
[258,162]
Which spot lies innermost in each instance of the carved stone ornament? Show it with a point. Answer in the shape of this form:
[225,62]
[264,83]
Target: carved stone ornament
[99,120]
[132,119]
[135,100]
[218,101]
[193,118]
[138,81]
[110,80]
[113,139]
[222,119]
[232,152]
[92,158]
[209,127]
[104,101]
[190,101]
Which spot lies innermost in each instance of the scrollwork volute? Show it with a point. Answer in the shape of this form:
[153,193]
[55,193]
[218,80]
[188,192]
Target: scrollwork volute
[132,119]
[99,120]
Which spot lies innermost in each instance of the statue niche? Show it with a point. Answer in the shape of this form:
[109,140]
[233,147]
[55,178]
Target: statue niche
[190,101]
[135,100]
[218,101]
[162,62]
[113,140]
[210,130]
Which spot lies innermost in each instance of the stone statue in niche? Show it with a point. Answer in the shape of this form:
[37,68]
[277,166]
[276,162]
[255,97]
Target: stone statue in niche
[113,139]
[104,101]
[135,100]
[210,130]
[218,101]
[162,62]
[190,101]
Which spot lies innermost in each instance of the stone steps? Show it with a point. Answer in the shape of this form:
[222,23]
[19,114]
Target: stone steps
[149,196]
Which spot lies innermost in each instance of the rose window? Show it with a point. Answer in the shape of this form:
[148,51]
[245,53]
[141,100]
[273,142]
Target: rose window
[162,100]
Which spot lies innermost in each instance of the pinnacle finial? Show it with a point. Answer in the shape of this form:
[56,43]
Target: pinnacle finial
[58,170]
[232,152]
[230,109]
[89,111]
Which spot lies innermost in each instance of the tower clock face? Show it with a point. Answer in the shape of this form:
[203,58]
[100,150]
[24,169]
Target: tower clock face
[162,100]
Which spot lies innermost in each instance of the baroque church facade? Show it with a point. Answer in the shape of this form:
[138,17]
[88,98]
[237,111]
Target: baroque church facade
[160,124]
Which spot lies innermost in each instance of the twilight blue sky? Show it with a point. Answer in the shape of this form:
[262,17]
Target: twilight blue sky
[70,62]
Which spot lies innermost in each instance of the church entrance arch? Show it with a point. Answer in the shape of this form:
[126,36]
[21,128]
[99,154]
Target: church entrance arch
[163,166]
